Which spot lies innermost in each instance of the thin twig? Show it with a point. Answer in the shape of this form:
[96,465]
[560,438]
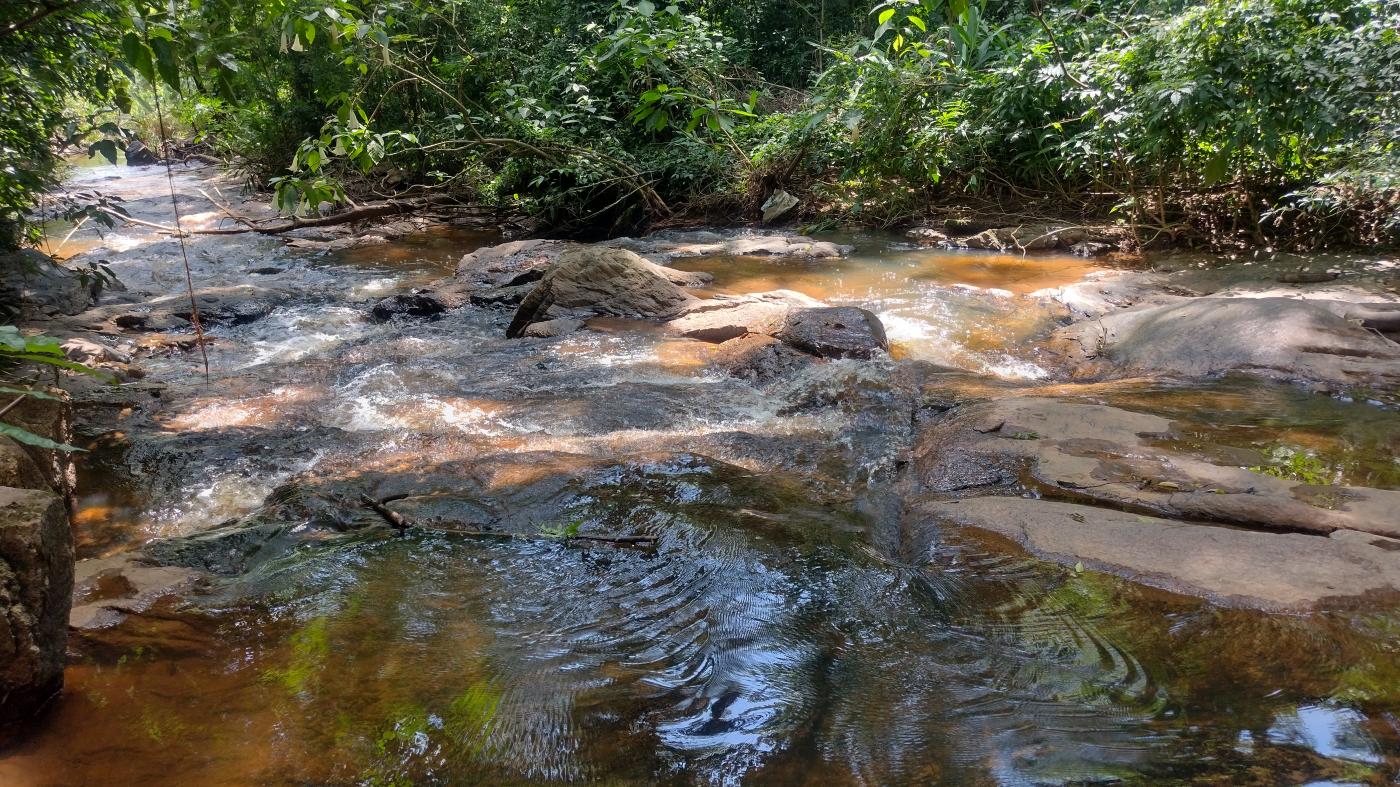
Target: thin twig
[180,234]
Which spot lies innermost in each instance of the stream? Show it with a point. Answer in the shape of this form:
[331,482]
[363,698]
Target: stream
[791,625]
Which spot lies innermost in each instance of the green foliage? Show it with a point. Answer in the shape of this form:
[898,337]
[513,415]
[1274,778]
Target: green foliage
[1230,120]
[1297,464]
[19,352]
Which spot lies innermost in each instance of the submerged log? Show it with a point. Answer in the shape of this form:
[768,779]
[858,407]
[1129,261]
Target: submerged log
[402,524]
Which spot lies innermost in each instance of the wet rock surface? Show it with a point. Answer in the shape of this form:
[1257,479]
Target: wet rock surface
[413,304]
[835,332]
[723,318]
[108,590]
[36,586]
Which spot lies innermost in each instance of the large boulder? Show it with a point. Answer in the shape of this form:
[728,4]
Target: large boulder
[138,155]
[503,275]
[36,588]
[592,280]
[516,262]
[1323,342]
[835,332]
[1083,452]
[36,286]
[1289,571]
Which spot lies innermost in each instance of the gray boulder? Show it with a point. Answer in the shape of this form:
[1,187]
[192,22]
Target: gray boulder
[40,287]
[589,281]
[835,332]
[503,275]
[677,244]
[36,589]
[758,358]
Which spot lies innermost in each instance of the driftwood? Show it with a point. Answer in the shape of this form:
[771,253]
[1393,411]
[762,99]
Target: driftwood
[363,213]
[401,524]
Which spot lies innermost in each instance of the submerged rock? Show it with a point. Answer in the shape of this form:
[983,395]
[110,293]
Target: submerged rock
[835,332]
[36,587]
[1322,342]
[107,590]
[589,281]
[1235,567]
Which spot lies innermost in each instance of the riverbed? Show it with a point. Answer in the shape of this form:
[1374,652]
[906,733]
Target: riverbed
[792,624]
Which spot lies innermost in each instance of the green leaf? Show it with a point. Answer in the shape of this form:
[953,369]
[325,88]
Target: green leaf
[646,8]
[919,23]
[107,147]
[166,62]
[885,16]
[138,56]
[49,360]
[1218,166]
[29,438]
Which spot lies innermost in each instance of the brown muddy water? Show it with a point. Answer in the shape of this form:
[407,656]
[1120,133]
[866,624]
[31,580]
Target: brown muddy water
[787,628]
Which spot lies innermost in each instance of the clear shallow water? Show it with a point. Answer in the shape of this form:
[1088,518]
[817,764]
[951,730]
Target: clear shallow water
[790,626]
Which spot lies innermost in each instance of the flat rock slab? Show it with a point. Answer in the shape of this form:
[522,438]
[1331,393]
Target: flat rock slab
[1322,342]
[726,317]
[107,590]
[1285,571]
[1091,452]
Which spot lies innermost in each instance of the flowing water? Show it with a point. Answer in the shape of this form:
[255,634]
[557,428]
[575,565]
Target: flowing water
[787,627]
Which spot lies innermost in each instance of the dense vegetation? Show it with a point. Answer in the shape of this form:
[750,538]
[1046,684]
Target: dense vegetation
[1228,121]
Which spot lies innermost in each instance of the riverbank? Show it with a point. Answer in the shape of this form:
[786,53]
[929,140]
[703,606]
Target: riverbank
[964,541]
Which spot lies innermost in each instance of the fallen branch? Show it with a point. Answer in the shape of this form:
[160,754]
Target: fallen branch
[365,213]
[401,524]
